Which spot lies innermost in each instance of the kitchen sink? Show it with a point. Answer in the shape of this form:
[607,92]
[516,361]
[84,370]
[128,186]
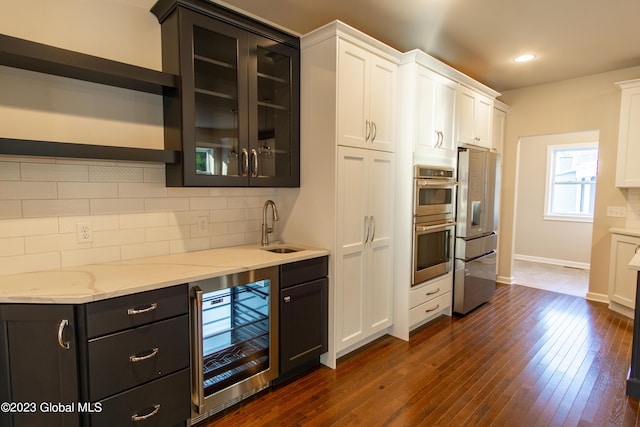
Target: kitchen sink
[282,249]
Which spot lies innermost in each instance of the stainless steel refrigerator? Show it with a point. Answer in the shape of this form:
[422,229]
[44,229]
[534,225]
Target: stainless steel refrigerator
[476,228]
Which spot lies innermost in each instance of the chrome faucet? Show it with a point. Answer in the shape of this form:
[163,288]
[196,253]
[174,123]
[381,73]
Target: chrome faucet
[265,228]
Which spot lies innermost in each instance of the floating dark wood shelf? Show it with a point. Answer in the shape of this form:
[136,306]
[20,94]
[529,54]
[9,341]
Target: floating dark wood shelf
[22,147]
[28,55]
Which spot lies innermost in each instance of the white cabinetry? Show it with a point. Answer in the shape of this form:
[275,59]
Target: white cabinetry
[364,275]
[627,170]
[474,113]
[346,199]
[622,279]
[499,121]
[427,110]
[366,98]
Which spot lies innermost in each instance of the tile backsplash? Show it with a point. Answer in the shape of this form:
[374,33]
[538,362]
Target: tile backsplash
[130,212]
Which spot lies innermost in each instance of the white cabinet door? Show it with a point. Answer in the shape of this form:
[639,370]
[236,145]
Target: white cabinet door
[499,120]
[366,99]
[483,118]
[622,279]
[352,230]
[445,108]
[627,170]
[383,109]
[364,267]
[475,115]
[380,246]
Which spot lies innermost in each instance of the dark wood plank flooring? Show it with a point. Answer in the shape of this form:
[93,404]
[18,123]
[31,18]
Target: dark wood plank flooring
[528,358]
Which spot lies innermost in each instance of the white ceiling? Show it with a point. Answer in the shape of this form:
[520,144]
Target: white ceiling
[571,38]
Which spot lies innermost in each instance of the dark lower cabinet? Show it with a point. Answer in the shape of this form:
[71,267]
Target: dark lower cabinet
[304,288]
[117,362]
[38,365]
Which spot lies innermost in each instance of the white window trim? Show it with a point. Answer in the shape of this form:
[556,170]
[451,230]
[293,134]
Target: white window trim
[549,184]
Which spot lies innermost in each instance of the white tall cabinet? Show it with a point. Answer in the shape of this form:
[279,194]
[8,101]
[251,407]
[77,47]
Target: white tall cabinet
[346,198]
[474,117]
[627,171]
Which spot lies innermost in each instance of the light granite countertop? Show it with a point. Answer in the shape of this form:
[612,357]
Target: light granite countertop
[82,284]
[625,231]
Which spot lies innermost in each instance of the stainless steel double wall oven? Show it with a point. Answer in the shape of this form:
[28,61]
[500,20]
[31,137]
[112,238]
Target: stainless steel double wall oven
[433,221]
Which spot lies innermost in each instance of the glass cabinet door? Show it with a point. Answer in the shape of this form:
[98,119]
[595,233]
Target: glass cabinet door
[219,119]
[274,129]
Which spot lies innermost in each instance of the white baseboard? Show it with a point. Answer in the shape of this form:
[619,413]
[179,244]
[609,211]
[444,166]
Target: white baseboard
[561,262]
[592,296]
[507,280]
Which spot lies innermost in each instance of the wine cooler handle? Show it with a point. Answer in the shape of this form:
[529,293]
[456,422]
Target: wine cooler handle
[137,417]
[61,342]
[197,368]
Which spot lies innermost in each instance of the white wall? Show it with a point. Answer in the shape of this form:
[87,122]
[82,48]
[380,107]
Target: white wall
[536,238]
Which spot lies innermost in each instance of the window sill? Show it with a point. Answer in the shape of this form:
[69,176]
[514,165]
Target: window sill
[568,218]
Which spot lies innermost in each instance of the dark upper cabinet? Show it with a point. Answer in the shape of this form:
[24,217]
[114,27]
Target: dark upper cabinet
[235,115]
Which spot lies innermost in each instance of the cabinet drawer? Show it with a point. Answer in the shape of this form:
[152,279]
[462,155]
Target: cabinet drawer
[167,399]
[303,271]
[425,293]
[117,314]
[126,359]
[431,309]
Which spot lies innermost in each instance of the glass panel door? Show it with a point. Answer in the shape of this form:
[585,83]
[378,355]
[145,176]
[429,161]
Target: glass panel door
[235,331]
[215,67]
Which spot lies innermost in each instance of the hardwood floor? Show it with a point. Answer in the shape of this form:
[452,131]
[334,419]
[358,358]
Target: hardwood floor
[528,358]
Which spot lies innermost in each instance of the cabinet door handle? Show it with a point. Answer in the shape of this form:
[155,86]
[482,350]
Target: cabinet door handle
[368,130]
[287,299]
[245,162]
[429,310]
[254,163]
[138,417]
[135,358]
[373,227]
[433,292]
[132,311]
[61,342]
[374,132]
[367,229]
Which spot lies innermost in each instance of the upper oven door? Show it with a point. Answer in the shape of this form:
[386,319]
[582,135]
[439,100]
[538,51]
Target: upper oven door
[433,197]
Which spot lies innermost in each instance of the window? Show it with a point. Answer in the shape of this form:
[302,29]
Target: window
[571,185]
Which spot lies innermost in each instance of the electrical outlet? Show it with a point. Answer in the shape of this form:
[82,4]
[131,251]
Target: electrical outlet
[84,232]
[203,226]
[617,211]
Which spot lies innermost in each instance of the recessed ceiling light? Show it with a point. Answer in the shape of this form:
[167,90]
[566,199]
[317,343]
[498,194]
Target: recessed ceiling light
[524,58]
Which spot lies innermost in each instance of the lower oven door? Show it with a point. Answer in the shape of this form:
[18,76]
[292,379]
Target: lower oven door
[234,327]
[432,251]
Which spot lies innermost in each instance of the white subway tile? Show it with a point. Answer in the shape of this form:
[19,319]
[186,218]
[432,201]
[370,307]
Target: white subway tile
[204,203]
[189,245]
[10,209]
[141,190]
[187,217]
[245,202]
[90,256]
[118,237]
[145,250]
[49,208]
[28,263]
[53,172]
[154,219]
[224,215]
[69,224]
[28,227]
[115,174]
[227,240]
[20,190]
[155,234]
[116,206]
[166,204]
[154,175]
[11,246]
[87,190]
[52,243]
[187,192]
[9,171]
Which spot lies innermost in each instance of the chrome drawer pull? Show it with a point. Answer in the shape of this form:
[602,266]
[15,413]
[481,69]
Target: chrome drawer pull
[137,417]
[152,307]
[287,299]
[61,342]
[432,309]
[135,358]
[433,292]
